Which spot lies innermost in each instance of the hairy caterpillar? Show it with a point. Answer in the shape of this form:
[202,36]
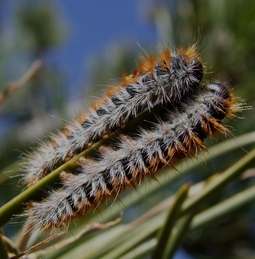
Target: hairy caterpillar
[169,78]
[178,134]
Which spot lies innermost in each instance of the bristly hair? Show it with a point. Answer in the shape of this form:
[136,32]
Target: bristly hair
[178,134]
[169,78]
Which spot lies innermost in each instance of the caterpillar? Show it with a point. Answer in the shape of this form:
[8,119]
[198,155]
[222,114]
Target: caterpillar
[178,133]
[169,78]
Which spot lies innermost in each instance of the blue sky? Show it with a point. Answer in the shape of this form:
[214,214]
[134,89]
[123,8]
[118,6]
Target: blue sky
[94,26]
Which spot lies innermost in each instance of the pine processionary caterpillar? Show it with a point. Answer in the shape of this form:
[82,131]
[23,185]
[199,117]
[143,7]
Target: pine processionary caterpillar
[169,78]
[177,134]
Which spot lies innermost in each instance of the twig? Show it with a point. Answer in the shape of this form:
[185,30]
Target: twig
[90,228]
[16,85]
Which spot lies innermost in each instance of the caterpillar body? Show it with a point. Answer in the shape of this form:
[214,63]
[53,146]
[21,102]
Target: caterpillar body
[169,78]
[177,134]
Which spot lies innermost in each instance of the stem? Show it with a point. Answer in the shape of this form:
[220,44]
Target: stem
[141,251]
[15,86]
[166,229]
[177,237]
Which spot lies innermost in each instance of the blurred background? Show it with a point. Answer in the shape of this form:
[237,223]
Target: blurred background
[86,46]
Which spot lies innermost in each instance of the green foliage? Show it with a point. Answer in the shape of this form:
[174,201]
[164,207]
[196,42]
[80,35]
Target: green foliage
[39,25]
